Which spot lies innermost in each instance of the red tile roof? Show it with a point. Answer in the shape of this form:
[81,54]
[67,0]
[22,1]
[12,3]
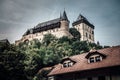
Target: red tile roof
[112,59]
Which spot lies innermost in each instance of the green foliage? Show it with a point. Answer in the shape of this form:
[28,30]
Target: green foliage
[76,35]
[64,39]
[48,38]
[11,64]
[93,45]
[27,58]
[79,47]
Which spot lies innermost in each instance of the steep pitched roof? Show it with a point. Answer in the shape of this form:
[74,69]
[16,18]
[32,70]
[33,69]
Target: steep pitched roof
[48,22]
[64,16]
[82,19]
[112,59]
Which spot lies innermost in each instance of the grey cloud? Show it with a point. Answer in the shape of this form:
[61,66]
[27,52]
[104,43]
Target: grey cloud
[18,15]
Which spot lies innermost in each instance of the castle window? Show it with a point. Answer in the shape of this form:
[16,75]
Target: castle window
[53,30]
[36,34]
[56,29]
[92,32]
[90,36]
[86,35]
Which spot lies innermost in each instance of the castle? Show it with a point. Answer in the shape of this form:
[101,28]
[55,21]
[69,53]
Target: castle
[59,27]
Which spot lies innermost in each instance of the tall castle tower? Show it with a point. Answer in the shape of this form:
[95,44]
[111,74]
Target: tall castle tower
[85,28]
[58,27]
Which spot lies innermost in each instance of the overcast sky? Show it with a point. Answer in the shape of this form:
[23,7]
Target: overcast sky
[16,16]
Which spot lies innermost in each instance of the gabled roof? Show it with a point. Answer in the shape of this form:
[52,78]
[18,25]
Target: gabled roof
[95,52]
[82,19]
[68,58]
[112,59]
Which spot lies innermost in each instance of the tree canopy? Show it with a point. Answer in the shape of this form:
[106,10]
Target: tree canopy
[26,59]
[76,35]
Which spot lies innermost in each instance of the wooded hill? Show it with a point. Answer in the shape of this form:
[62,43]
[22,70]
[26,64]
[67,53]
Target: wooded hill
[23,62]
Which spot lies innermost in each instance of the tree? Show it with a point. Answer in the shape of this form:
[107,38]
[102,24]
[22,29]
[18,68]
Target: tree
[11,64]
[48,38]
[64,39]
[94,46]
[79,47]
[76,35]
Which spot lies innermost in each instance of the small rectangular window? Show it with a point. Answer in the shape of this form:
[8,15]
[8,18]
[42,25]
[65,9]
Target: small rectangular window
[92,60]
[92,32]
[90,36]
[86,35]
[65,65]
[97,58]
[70,64]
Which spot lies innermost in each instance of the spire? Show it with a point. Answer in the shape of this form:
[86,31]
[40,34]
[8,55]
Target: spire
[64,16]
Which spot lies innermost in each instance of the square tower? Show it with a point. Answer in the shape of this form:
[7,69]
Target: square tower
[85,28]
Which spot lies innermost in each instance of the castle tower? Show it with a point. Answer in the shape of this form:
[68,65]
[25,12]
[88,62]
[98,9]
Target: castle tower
[85,28]
[64,21]
[64,27]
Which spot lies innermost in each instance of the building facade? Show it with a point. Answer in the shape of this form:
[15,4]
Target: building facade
[60,27]
[85,28]
[101,64]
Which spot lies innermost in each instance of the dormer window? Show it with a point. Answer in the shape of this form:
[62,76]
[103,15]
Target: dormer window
[95,56]
[67,62]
